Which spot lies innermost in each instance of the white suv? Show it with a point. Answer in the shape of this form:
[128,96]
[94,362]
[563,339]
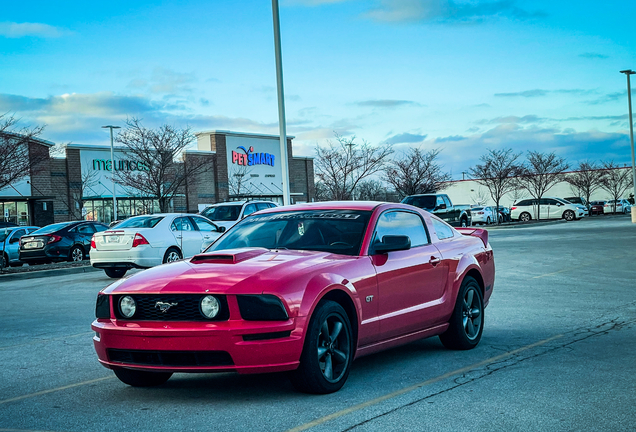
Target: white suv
[549,208]
[228,214]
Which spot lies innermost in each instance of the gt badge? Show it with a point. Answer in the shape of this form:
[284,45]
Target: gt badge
[163,306]
[369,299]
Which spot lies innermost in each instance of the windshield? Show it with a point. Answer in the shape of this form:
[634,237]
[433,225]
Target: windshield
[51,228]
[423,202]
[222,213]
[140,222]
[335,231]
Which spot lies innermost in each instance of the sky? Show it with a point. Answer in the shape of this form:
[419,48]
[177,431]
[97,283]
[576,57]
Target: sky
[460,76]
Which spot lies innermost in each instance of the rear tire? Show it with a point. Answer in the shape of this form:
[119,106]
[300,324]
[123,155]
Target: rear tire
[466,324]
[172,255]
[327,353]
[115,273]
[464,222]
[525,217]
[137,378]
[76,254]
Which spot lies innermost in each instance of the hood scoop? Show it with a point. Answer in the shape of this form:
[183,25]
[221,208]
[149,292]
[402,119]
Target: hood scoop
[230,256]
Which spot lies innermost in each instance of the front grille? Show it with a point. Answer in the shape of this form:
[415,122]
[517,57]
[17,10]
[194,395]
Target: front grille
[186,308]
[171,358]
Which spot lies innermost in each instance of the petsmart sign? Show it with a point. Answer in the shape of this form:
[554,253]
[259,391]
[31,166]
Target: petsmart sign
[247,157]
[255,160]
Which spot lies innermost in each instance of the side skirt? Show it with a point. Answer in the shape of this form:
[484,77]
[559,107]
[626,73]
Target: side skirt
[400,340]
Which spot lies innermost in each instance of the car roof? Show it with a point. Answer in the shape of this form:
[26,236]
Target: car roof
[333,205]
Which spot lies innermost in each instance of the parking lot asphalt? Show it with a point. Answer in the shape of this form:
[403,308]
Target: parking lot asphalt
[557,354]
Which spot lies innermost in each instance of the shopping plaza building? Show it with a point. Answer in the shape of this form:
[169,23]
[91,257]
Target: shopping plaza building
[79,184]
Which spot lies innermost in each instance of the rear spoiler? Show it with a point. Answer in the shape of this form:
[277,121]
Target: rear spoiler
[475,232]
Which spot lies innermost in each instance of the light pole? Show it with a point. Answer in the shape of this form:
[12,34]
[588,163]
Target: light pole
[281,103]
[629,72]
[112,165]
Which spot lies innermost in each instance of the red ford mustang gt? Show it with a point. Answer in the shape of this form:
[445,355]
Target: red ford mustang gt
[306,288]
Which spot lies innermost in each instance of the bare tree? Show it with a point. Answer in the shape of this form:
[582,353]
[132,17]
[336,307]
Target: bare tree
[239,183]
[480,197]
[322,193]
[371,190]
[541,172]
[615,181]
[586,180]
[342,164]
[416,172]
[77,192]
[498,172]
[158,173]
[17,161]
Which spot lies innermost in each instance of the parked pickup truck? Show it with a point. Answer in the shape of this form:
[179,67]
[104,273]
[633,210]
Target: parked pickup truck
[442,207]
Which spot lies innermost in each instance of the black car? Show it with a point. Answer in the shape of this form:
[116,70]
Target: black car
[7,225]
[65,241]
[504,214]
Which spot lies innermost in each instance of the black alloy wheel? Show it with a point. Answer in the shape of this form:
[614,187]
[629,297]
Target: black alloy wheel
[466,324]
[5,261]
[327,353]
[464,222]
[137,378]
[525,217]
[568,215]
[76,254]
[115,273]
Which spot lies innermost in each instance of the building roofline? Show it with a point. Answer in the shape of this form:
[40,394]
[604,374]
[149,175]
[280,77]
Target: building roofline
[34,139]
[244,134]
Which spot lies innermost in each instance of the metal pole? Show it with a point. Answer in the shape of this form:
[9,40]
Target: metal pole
[281,104]
[112,164]
[631,138]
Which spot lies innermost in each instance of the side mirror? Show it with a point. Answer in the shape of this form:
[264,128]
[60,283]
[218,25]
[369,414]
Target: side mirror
[392,243]
[441,206]
[221,229]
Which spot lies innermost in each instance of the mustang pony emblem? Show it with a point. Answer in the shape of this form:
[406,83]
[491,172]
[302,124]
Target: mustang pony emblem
[163,306]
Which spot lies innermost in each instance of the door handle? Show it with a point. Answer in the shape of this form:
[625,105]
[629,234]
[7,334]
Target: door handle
[178,236]
[434,261]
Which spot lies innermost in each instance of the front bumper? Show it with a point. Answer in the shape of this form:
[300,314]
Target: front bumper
[280,353]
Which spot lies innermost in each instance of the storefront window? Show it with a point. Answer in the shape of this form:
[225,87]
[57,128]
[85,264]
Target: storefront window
[22,213]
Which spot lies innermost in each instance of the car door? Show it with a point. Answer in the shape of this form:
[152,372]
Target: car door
[209,231]
[187,237]
[409,281]
[452,214]
[13,244]
[84,233]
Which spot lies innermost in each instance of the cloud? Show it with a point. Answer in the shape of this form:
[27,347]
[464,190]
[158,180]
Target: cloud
[310,2]
[610,97]
[446,11]
[534,119]
[164,81]
[591,55]
[17,30]
[540,93]
[386,103]
[451,138]
[405,138]
[513,120]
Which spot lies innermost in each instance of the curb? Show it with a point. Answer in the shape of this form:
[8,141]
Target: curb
[46,273]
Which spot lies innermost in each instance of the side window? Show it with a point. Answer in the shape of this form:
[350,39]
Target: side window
[439,201]
[553,202]
[262,206]
[181,224]
[401,223]
[85,229]
[204,225]
[446,201]
[442,230]
[249,209]
[17,234]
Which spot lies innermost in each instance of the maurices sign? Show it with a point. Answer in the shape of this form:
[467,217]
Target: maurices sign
[120,165]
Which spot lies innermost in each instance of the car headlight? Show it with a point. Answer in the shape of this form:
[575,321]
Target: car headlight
[210,306]
[127,306]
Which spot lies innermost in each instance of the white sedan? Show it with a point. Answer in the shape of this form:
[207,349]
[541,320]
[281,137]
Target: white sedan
[150,240]
[484,215]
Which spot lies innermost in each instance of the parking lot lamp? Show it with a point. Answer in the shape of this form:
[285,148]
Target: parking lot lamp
[281,104]
[112,164]
[629,72]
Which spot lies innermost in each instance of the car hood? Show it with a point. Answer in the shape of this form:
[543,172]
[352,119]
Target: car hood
[235,271]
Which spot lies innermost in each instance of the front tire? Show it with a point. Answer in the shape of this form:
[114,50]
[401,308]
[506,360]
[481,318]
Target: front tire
[115,273]
[76,254]
[525,217]
[137,378]
[467,321]
[464,223]
[327,353]
[172,255]
[568,215]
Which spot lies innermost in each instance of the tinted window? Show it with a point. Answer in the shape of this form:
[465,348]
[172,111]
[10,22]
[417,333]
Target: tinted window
[204,225]
[140,222]
[182,224]
[222,212]
[442,230]
[19,233]
[401,223]
[262,206]
[100,227]
[249,209]
[85,229]
[423,202]
[52,228]
[335,231]
[446,201]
